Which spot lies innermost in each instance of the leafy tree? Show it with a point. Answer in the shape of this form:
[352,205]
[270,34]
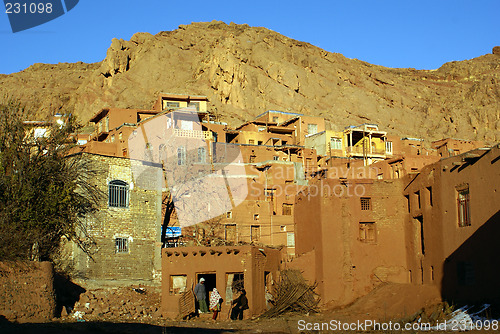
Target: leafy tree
[44,191]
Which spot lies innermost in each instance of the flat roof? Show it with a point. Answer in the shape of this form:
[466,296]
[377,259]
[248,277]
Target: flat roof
[279,112]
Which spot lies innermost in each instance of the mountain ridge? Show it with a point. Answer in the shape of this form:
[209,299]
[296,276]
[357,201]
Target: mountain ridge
[246,70]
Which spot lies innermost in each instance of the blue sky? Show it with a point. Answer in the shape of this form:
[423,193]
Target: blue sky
[394,33]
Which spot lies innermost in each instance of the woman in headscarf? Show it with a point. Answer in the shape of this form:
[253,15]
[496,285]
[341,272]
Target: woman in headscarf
[215,303]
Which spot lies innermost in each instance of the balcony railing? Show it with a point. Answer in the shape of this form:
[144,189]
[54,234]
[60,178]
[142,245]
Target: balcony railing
[206,135]
[360,150]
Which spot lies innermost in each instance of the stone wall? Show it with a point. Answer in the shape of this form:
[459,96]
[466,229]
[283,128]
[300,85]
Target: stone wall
[27,291]
[139,224]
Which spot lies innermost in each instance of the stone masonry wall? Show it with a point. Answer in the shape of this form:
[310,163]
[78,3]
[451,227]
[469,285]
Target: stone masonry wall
[139,224]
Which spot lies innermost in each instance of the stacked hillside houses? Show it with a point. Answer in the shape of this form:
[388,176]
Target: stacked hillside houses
[351,209]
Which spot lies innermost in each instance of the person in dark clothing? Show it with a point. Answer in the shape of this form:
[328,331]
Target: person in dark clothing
[240,304]
[201,295]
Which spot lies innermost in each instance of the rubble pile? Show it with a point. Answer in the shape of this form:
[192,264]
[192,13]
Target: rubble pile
[131,303]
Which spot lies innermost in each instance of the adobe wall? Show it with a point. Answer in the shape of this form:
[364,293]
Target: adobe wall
[252,261]
[27,291]
[461,260]
[139,223]
[328,222]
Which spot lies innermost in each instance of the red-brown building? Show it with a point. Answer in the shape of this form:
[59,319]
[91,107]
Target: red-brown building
[226,268]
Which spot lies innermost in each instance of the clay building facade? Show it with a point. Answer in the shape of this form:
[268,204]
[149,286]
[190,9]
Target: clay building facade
[227,268]
[350,236]
[450,146]
[454,218]
[432,226]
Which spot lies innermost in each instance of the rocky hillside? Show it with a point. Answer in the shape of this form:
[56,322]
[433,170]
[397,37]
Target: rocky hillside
[245,71]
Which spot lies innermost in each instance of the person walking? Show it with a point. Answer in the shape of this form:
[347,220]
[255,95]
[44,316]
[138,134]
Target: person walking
[201,296]
[215,303]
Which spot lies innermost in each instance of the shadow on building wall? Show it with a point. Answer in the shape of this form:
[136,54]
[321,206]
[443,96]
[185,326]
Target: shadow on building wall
[471,273]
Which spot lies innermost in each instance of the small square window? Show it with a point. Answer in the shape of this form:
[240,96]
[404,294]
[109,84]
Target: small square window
[287,209]
[178,284]
[312,129]
[121,245]
[270,194]
[229,214]
[256,216]
[196,105]
[365,203]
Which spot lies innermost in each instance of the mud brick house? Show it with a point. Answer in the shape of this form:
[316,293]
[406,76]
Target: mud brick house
[434,226]
[126,229]
[450,146]
[350,236]
[454,217]
[226,268]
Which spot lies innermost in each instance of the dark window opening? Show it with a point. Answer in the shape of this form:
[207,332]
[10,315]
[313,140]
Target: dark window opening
[365,203]
[420,222]
[118,194]
[408,202]
[463,208]
[121,245]
[287,209]
[210,283]
[255,233]
[429,191]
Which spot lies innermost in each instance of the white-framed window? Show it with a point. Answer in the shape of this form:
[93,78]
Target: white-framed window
[312,129]
[202,155]
[172,104]
[463,201]
[388,147]
[335,143]
[181,155]
[196,105]
[118,194]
